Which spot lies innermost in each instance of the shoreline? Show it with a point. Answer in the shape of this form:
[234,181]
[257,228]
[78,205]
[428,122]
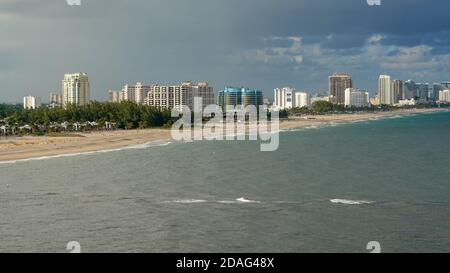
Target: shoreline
[38,147]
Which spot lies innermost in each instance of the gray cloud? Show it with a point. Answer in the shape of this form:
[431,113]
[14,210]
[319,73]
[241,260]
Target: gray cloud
[259,43]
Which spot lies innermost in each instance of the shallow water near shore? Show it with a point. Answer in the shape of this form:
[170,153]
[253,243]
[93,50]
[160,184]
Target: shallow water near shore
[327,189]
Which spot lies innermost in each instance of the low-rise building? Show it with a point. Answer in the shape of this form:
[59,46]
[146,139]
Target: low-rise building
[410,102]
[320,98]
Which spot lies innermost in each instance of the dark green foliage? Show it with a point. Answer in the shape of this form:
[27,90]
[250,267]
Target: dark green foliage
[126,115]
[9,109]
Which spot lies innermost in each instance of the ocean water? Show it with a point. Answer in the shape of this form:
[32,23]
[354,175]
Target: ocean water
[328,189]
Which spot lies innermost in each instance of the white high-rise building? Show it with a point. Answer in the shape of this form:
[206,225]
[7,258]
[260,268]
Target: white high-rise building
[284,98]
[114,96]
[179,96]
[356,98]
[55,99]
[136,93]
[76,89]
[386,90]
[30,102]
[302,99]
[444,96]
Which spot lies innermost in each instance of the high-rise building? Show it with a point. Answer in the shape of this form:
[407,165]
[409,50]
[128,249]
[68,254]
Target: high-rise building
[114,96]
[409,90]
[55,99]
[337,84]
[179,96]
[30,102]
[231,97]
[135,93]
[284,98]
[444,96]
[202,90]
[75,89]
[302,99]
[417,91]
[356,98]
[422,92]
[439,87]
[387,96]
[397,86]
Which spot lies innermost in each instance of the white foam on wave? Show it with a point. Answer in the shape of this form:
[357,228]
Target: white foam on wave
[311,127]
[146,145]
[351,202]
[186,201]
[322,125]
[241,200]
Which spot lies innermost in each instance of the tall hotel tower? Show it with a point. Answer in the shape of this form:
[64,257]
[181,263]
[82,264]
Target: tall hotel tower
[385,89]
[337,84]
[75,89]
[397,86]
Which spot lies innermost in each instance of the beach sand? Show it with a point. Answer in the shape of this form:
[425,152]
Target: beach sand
[16,148]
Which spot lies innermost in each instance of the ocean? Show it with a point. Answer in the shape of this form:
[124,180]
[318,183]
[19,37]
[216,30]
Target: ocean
[332,188]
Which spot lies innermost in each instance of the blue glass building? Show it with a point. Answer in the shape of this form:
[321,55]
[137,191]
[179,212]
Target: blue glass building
[233,96]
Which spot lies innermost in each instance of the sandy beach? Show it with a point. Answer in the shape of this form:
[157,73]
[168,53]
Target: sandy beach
[16,148]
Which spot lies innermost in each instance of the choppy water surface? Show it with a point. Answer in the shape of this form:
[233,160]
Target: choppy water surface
[329,189]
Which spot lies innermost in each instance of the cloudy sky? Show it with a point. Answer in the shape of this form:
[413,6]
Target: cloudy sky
[257,43]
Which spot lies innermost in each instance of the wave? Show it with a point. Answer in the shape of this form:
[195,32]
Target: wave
[241,200]
[186,201]
[146,145]
[351,202]
[237,201]
[311,127]
[327,124]
[158,143]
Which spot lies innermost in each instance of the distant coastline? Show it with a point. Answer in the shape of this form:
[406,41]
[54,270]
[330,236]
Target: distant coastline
[27,147]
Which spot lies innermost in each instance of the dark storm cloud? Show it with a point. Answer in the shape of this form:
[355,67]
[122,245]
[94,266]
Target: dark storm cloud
[260,43]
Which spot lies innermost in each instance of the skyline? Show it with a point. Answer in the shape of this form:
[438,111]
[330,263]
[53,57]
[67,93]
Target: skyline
[114,95]
[263,45]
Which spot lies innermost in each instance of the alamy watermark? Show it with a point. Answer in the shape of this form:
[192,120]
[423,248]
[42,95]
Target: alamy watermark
[73,247]
[374,2]
[73,2]
[230,123]
[374,247]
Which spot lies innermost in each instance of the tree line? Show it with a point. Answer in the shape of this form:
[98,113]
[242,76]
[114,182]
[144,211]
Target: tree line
[125,115]
[7,110]
[324,107]
[129,115]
